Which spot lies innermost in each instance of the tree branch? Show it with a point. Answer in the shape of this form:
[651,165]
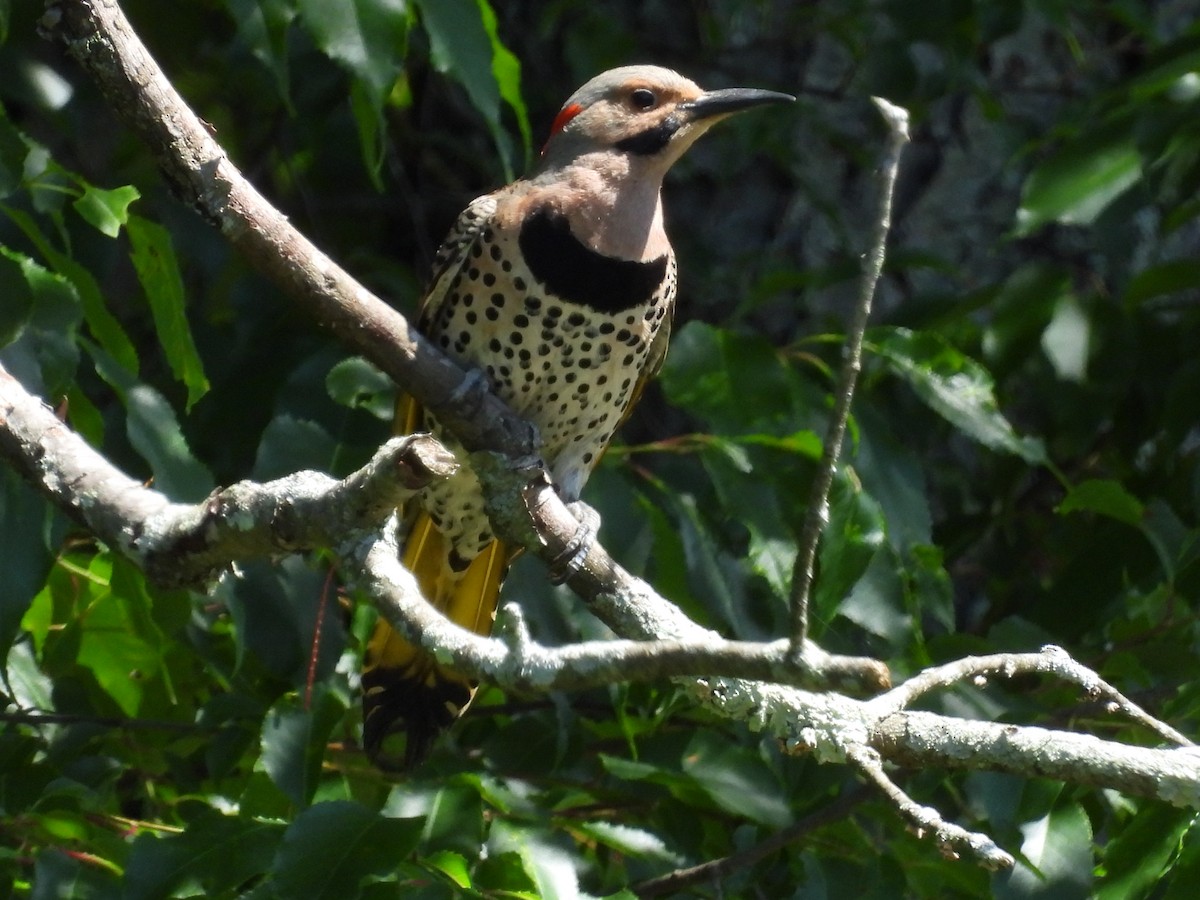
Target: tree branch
[183,544]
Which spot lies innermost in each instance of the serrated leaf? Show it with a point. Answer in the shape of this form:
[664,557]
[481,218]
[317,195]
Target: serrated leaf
[157,269]
[464,43]
[18,298]
[331,848]
[106,210]
[630,841]
[1075,184]
[214,854]
[954,386]
[1105,497]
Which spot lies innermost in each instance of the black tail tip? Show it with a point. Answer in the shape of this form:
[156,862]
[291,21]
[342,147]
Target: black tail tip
[403,718]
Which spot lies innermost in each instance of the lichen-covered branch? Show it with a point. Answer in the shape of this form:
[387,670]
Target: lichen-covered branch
[184,544]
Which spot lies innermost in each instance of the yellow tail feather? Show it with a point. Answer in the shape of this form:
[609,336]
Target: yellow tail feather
[404,689]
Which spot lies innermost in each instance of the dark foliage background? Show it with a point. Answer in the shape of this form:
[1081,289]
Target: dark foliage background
[1023,467]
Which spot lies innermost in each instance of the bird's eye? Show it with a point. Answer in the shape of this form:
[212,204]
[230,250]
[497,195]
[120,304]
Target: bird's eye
[642,98]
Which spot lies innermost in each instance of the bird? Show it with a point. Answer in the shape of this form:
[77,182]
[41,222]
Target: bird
[559,289]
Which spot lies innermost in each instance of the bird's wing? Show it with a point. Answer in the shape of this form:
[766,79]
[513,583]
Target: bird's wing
[452,254]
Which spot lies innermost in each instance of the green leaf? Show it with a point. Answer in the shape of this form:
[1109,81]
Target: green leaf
[118,639]
[331,848]
[629,841]
[1067,340]
[737,780]
[1176,276]
[367,38]
[1059,847]
[751,497]
[1185,873]
[850,541]
[1075,184]
[103,324]
[106,210]
[17,297]
[57,875]
[216,853]
[738,384]
[453,814]
[358,384]
[452,865]
[263,25]
[547,864]
[464,43]
[43,327]
[158,271]
[954,386]
[13,151]
[1136,858]
[294,740]
[154,432]
[1105,497]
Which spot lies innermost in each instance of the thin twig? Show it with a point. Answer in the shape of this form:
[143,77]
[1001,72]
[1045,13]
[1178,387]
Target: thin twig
[951,839]
[711,871]
[817,517]
[1050,660]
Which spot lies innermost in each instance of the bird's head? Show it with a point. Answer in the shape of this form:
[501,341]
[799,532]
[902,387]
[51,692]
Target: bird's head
[647,112]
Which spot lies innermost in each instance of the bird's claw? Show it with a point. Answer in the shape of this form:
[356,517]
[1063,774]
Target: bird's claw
[570,560]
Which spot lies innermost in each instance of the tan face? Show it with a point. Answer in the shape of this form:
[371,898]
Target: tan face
[647,112]
[634,108]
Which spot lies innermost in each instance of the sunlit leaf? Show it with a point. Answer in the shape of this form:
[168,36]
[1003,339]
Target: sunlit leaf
[103,325]
[106,210]
[1075,184]
[358,384]
[954,386]
[546,863]
[1136,858]
[1103,496]
[465,44]
[158,271]
[1059,846]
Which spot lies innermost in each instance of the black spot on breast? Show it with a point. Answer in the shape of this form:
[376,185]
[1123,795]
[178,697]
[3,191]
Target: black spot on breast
[579,274]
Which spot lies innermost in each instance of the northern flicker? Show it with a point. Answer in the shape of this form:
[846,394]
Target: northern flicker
[559,288]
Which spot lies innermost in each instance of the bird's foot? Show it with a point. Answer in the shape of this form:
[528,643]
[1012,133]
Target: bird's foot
[472,390]
[569,562]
